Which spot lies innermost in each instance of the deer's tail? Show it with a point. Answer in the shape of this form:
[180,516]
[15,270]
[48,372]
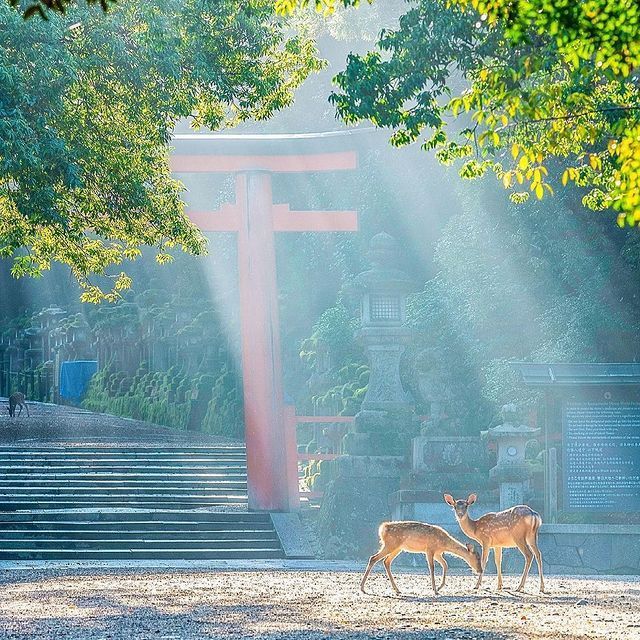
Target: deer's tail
[536,522]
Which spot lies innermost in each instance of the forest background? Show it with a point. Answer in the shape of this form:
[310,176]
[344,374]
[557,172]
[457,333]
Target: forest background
[495,282]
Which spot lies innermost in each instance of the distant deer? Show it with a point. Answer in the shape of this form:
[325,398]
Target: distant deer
[515,527]
[17,400]
[418,537]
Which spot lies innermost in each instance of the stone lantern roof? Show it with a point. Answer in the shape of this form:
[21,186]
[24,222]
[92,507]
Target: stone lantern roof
[509,430]
[384,275]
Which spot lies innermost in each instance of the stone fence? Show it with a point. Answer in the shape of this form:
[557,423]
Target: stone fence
[590,549]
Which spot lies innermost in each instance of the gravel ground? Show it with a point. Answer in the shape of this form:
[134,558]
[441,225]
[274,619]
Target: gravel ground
[133,604]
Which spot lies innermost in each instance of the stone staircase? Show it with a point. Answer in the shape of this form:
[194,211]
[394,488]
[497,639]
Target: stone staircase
[136,502]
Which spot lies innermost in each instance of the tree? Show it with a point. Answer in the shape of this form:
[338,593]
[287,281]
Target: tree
[43,8]
[541,92]
[87,104]
[517,284]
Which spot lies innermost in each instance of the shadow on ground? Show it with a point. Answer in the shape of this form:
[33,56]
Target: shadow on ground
[139,604]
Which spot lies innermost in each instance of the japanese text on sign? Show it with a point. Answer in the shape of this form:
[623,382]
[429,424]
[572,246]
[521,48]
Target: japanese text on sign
[601,457]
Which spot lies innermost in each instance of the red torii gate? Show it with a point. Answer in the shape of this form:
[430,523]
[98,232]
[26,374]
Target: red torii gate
[271,460]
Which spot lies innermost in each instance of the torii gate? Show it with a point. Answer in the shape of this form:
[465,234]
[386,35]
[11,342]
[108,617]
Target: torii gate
[271,464]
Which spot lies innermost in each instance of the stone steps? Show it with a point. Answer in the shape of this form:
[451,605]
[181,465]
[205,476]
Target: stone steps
[102,503]
[153,486]
[140,554]
[11,503]
[132,463]
[119,468]
[135,534]
[131,450]
[126,489]
[117,543]
[109,517]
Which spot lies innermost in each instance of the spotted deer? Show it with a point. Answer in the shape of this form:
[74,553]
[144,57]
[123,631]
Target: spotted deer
[419,537]
[17,400]
[515,527]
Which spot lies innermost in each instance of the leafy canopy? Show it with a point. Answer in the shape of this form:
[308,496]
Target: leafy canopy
[43,8]
[542,92]
[87,104]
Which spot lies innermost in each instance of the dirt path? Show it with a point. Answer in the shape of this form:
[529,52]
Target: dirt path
[50,423]
[135,604]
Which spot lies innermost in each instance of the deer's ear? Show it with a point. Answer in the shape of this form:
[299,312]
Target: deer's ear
[470,547]
[472,498]
[448,498]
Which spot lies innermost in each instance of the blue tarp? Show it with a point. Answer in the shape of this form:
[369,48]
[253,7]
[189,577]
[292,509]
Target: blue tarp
[74,378]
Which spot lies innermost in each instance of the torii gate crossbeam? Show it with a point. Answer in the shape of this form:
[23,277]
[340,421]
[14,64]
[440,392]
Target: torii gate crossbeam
[272,476]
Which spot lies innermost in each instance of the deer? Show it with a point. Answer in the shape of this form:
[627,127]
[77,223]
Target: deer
[17,400]
[514,527]
[419,537]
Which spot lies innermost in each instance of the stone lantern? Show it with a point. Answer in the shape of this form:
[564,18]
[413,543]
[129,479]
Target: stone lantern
[386,409]
[511,470]
[49,319]
[33,355]
[366,475]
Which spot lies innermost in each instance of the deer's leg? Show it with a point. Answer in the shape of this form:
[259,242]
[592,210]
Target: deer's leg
[483,564]
[20,412]
[497,554]
[387,565]
[445,566]
[532,541]
[26,406]
[376,557]
[432,571]
[528,557]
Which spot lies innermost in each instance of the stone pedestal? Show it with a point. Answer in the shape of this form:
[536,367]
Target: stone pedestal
[449,454]
[385,346]
[355,502]
[379,433]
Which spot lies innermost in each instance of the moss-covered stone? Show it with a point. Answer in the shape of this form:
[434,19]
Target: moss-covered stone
[355,502]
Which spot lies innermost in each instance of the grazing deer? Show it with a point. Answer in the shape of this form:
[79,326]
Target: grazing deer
[418,537]
[17,400]
[515,527]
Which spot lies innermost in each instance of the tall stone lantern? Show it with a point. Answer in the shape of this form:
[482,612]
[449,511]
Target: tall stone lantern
[356,499]
[511,470]
[386,417]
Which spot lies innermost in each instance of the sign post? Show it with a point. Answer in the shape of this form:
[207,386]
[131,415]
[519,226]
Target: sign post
[593,415]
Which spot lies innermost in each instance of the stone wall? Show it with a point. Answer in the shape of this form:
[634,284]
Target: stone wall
[590,549]
[581,549]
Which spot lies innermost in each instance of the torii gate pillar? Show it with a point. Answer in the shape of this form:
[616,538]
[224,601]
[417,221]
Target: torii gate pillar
[272,470]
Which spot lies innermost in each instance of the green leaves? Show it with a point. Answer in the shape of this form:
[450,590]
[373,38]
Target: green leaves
[530,85]
[325,7]
[87,105]
[601,32]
